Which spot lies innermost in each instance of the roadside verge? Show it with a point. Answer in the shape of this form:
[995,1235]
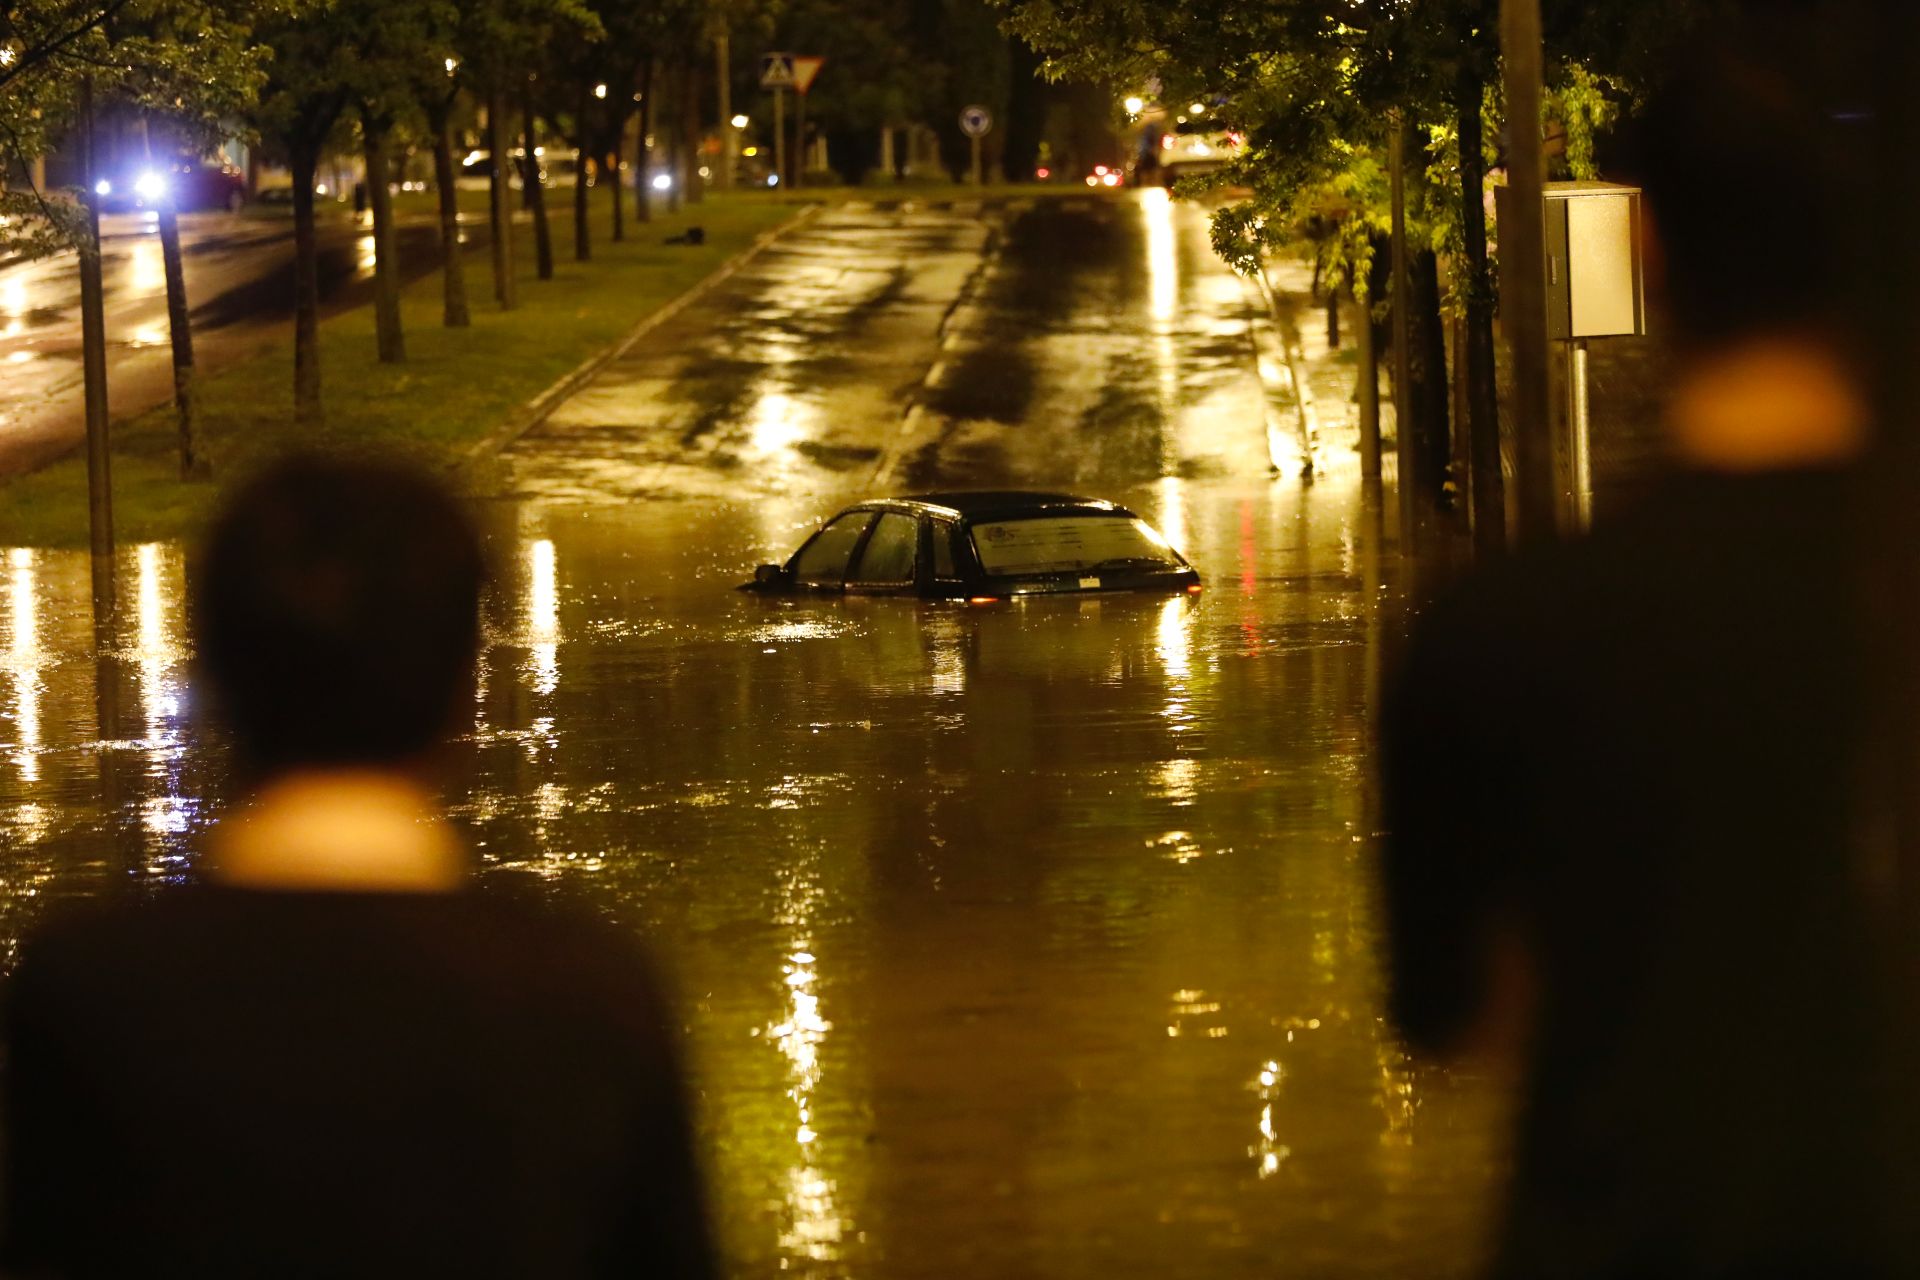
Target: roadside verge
[537,410]
[457,389]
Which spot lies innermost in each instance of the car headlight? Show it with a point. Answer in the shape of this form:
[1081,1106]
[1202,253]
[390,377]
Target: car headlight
[150,186]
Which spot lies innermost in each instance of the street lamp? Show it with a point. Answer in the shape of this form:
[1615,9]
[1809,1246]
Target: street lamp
[599,91]
[1135,105]
[740,122]
[453,65]
[1197,108]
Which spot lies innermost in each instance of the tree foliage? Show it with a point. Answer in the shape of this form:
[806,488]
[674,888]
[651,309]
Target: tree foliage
[191,62]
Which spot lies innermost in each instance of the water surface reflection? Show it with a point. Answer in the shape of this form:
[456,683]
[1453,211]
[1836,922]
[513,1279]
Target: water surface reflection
[1022,940]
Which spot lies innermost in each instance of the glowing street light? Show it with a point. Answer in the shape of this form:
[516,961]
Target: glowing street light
[453,65]
[1197,108]
[599,91]
[1135,105]
[740,122]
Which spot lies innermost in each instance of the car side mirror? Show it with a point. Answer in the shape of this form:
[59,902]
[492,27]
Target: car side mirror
[769,575]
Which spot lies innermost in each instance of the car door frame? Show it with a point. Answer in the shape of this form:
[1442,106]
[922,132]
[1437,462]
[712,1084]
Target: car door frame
[913,586]
[853,556]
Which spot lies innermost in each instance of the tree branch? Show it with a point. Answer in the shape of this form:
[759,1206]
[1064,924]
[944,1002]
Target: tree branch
[35,56]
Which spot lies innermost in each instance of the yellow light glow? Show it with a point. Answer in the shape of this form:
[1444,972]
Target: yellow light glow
[24,659]
[543,617]
[1173,510]
[777,421]
[750,151]
[815,1229]
[1163,267]
[1176,651]
[155,650]
[147,267]
[1135,105]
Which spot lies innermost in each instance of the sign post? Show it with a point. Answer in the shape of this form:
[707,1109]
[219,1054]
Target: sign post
[975,122]
[776,73]
[723,87]
[804,70]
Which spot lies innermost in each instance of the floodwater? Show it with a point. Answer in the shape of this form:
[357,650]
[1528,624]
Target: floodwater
[1014,940]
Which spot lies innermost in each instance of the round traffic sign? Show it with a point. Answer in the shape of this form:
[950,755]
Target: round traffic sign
[975,121]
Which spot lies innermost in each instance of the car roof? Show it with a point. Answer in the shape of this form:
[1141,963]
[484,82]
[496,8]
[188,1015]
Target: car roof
[986,504]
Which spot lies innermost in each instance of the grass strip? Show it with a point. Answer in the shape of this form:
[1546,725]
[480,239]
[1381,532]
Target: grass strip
[455,387]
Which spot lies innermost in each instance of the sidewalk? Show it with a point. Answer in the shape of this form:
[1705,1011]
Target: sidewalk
[1627,382]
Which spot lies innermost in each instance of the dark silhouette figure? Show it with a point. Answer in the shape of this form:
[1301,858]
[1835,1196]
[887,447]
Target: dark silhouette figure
[1622,772]
[337,1056]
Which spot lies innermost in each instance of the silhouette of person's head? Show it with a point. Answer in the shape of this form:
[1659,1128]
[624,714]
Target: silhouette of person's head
[1754,155]
[336,616]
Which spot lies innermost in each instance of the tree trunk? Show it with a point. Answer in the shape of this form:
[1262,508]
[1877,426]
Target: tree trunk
[1427,388]
[582,226]
[536,194]
[1482,425]
[616,190]
[583,164]
[1414,516]
[93,363]
[453,277]
[180,329]
[1333,319]
[388,337]
[1368,390]
[179,322]
[670,80]
[690,133]
[642,153]
[306,290]
[497,207]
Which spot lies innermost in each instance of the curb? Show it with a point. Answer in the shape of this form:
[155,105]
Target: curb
[537,410]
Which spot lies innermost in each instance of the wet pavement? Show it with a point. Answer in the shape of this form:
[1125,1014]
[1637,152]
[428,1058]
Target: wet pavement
[1013,941]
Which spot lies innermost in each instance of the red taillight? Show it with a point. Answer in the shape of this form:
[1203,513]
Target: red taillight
[983,599]
[1193,588]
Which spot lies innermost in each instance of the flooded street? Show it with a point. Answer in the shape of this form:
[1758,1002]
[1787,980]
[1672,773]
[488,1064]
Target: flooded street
[1016,940]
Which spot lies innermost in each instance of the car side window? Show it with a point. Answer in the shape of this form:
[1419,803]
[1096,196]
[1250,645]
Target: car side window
[824,558]
[943,566]
[889,554]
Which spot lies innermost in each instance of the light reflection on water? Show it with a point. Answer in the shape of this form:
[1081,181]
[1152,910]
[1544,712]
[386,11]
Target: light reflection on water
[24,658]
[1023,940]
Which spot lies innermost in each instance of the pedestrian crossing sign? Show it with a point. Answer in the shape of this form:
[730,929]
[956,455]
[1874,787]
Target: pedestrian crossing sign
[776,71]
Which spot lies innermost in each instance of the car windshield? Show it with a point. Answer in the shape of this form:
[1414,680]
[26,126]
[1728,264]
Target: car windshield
[1066,544]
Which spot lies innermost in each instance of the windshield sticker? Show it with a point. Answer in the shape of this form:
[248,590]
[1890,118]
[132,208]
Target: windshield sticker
[1071,544]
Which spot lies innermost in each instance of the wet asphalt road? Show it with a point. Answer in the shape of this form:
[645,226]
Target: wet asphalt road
[1013,941]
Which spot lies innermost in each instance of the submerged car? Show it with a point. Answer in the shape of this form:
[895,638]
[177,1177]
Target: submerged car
[980,547]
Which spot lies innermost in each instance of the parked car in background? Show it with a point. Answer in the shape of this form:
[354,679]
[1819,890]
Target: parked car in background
[1194,146]
[981,547]
[192,186]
